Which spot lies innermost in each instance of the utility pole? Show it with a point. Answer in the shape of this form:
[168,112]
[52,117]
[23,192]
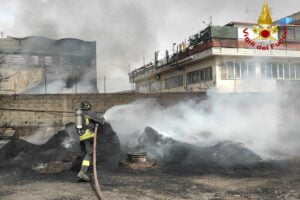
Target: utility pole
[129,68]
[45,79]
[104,85]
[76,81]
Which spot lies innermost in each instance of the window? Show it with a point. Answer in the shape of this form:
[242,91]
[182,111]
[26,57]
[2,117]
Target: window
[193,77]
[223,72]
[274,71]
[230,71]
[292,71]
[280,71]
[297,71]
[208,74]
[268,71]
[202,75]
[286,71]
[238,70]
[244,70]
[48,60]
[290,34]
[155,86]
[175,81]
[199,76]
[297,33]
[143,88]
[263,70]
[251,70]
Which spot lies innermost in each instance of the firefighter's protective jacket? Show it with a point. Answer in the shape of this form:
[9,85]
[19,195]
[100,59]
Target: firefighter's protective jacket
[90,119]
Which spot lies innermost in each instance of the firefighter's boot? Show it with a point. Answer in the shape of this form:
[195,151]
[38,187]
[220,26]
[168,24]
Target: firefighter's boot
[83,176]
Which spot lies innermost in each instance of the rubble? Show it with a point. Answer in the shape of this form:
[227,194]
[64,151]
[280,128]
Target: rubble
[171,153]
[60,152]
[6,133]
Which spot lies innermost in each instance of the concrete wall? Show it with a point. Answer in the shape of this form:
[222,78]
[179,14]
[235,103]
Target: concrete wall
[44,105]
[20,79]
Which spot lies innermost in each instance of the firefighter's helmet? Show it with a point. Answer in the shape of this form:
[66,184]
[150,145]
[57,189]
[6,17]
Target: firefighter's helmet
[85,105]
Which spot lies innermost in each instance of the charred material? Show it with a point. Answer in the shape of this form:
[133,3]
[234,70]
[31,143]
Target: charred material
[171,153]
[6,133]
[60,152]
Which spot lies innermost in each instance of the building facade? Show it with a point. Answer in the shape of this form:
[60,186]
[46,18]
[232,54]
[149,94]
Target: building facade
[39,65]
[222,59]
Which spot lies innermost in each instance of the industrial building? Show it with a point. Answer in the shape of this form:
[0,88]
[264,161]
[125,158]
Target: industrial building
[228,59]
[39,65]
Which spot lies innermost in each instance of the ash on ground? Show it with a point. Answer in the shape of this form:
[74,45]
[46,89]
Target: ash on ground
[227,171]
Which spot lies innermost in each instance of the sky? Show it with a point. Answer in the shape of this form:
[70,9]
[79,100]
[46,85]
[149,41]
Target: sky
[127,31]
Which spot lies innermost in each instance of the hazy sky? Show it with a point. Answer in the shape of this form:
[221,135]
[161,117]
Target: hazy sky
[127,30]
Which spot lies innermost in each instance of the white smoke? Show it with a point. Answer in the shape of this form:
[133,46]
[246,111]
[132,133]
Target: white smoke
[127,30]
[41,135]
[256,120]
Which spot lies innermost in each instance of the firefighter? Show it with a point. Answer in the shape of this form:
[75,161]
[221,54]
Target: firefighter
[86,121]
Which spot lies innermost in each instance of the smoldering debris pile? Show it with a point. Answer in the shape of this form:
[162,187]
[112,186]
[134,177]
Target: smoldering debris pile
[60,152]
[174,154]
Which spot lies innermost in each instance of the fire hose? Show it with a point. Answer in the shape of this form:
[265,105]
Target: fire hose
[96,180]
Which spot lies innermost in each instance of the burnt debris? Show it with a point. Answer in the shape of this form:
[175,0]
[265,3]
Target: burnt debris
[60,152]
[171,153]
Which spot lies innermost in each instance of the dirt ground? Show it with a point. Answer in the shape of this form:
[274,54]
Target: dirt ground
[272,181]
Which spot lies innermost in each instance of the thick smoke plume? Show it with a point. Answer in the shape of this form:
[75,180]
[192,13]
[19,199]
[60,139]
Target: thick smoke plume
[262,122]
[127,30]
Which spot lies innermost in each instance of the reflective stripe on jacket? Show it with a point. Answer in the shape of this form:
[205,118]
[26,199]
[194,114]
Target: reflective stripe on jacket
[87,133]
